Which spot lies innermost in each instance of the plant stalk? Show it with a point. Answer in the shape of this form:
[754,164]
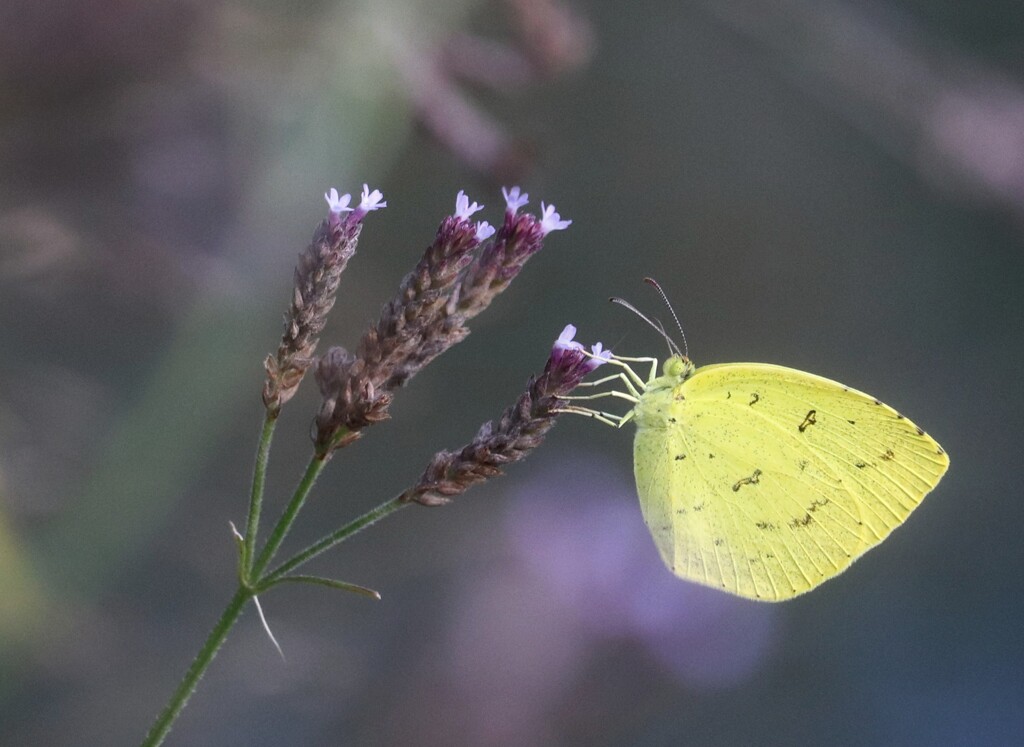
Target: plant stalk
[256,500]
[316,466]
[340,535]
[198,668]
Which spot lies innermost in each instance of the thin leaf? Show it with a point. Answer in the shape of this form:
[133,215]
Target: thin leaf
[240,543]
[334,584]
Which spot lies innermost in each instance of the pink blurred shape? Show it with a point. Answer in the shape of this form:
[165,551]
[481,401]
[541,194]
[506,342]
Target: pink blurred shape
[579,532]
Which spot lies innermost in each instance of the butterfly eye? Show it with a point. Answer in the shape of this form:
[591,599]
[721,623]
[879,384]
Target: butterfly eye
[674,366]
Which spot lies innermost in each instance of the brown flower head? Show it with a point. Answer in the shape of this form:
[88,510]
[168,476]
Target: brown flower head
[450,284]
[317,276]
[520,430]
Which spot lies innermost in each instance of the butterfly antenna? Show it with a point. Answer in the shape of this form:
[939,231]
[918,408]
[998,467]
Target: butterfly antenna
[686,348]
[657,327]
[672,349]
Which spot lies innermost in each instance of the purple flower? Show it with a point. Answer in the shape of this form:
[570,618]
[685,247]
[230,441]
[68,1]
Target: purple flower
[463,208]
[565,340]
[600,356]
[572,361]
[551,221]
[484,230]
[338,204]
[514,199]
[368,202]
[564,344]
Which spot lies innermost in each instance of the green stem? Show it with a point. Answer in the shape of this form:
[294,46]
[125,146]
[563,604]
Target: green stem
[195,672]
[316,465]
[256,500]
[326,543]
[219,634]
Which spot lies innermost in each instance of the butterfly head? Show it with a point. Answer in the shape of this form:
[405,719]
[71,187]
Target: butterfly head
[678,368]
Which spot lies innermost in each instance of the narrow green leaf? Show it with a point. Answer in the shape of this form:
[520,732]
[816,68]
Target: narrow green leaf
[319,580]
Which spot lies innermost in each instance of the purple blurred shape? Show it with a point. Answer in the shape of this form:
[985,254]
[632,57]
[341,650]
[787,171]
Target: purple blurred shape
[579,531]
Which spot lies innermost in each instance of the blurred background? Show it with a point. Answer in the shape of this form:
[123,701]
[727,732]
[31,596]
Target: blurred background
[833,186]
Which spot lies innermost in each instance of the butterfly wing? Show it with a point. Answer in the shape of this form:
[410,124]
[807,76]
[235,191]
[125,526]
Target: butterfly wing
[766,481]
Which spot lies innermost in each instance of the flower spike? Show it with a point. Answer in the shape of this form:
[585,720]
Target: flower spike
[520,429]
[317,275]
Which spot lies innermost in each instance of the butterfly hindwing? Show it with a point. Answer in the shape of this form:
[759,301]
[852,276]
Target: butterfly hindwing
[766,481]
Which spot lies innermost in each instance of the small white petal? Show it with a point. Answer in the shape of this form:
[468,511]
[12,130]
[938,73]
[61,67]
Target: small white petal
[514,198]
[337,203]
[463,208]
[371,200]
[599,356]
[565,341]
[552,221]
[484,230]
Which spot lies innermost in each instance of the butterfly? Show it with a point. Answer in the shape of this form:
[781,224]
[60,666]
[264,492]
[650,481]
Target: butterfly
[765,481]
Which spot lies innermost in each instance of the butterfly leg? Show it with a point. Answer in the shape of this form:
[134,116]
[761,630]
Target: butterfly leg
[633,393]
[608,418]
[621,361]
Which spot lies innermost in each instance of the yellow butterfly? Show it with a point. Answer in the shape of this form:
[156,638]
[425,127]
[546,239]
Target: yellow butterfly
[765,481]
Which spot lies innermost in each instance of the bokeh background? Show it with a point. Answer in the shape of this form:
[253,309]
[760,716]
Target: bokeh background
[834,186]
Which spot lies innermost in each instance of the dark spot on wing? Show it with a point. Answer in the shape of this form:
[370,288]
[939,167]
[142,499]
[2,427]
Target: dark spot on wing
[796,523]
[809,419]
[940,451]
[711,456]
[752,480]
[728,395]
[877,402]
[671,420]
[802,464]
[699,506]
[920,432]
[680,457]
[899,416]
[754,398]
[816,504]
[718,542]
[860,465]
[887,456]
[766,526]
[852,422]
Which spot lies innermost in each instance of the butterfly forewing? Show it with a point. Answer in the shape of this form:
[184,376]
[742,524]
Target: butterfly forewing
[765,481]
